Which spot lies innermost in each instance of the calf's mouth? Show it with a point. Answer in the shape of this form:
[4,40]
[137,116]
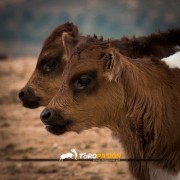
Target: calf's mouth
[31,104]
[54,122]
[56,129]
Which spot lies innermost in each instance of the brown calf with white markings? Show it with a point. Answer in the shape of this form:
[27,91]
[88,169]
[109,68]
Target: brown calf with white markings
[139,100]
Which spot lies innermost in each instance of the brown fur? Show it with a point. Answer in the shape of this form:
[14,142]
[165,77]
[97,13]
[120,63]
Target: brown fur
[58,46]
[139,100]
[160,44]
[45,86]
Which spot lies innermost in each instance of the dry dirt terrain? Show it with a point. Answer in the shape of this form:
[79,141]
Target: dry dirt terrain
[22,135]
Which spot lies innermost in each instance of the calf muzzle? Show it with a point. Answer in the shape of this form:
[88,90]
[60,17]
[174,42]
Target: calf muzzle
[28,98]
[54,122]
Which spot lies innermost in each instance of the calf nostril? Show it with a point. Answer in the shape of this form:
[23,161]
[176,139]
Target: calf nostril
[21,95]
[45,115]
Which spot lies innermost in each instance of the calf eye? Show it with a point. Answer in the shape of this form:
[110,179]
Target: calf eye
[82,82]
[49,67]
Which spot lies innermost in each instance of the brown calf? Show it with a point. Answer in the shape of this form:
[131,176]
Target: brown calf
[139,100]
[45,80]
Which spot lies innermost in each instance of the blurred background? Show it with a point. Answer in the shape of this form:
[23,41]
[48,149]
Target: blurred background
[25,24]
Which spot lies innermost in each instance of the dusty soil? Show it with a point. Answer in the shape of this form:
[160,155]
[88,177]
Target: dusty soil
[22,135]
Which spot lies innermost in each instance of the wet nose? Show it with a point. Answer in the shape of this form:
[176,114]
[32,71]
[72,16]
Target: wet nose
[21,94]
[26,93]
[46,116]
[28,97]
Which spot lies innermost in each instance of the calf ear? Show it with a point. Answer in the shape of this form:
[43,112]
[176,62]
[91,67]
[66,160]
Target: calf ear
[109,59]
[70,39]
[112,64]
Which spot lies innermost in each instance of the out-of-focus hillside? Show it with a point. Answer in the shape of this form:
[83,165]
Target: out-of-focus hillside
[25,24]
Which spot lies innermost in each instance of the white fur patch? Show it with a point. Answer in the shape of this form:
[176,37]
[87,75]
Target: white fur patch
[177,48]
[173,61]
[158,174]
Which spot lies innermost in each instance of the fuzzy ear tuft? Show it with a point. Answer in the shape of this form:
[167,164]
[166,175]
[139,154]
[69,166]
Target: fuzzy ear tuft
[112,63]
[109,59]
[69,40]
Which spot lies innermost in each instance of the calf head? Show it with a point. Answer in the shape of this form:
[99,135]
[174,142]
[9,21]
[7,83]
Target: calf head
[88,93]
[45,80]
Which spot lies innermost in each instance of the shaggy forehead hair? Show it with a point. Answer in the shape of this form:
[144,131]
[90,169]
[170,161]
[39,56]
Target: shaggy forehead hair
[90,44]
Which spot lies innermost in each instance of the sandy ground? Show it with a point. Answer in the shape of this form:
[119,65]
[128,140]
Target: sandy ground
[22,135]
